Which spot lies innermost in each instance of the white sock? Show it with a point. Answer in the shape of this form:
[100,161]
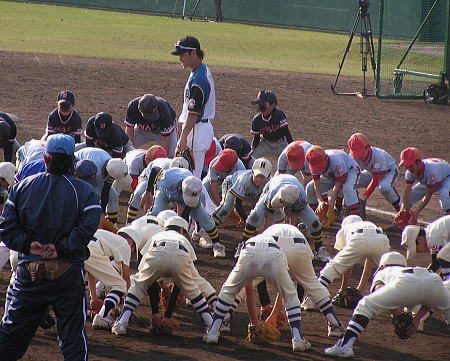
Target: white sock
[125,318]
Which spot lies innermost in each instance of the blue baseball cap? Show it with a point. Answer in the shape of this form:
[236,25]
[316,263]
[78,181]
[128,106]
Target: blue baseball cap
[60,143]
[86,170]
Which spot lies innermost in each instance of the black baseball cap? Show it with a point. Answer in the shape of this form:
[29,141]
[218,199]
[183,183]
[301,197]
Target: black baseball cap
[5,129]
[103,124]
[233,142]
[265,96]
[65,97]
[148,106]
[186,44]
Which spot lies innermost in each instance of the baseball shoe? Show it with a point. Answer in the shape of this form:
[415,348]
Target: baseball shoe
[100,290]
[422,321]
[219,250]
[345,351]
[238,250]
[300,344]
[196,236]
[335,330]
[211,337]
[118,329]
[322,255]
[102,323]
[309,305]
[205,241]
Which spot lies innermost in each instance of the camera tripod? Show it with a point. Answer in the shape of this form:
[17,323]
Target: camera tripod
[366,49]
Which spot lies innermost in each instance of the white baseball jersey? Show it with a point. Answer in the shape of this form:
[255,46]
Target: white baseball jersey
[437,234]
[134,160]
[434,173]
[282,165]
[112,246]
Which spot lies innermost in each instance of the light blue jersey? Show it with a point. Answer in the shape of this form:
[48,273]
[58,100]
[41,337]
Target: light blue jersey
[339,164]
[282,165]
[378,162]
[170,183]
[279,181]
[243,187]
[99,157]
[163,163]
[435,172]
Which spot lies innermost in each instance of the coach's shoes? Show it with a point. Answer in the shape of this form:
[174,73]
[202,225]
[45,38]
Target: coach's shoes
[337,350]
[211,337]
[219,250]
[103,323]
[300,344]
[335,330]
[322,255]
[118,329]
[309,305]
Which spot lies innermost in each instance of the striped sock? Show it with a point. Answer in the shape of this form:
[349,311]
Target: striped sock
[130,305]
[214,235]
[354,209]
[324,281]
[326,308]
[317,239]
[294,319]
[221,310]
[112,216]
[112,300]
[338,203]
[212,299]
[201,306]
[132,214]
[354,329]
[249,232]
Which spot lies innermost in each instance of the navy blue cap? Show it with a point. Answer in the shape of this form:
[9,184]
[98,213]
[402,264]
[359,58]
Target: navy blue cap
[65,97]
[103,124]
[148,106]
[5,129]
[186,44]
[86,170]
[60,143]
[265,96]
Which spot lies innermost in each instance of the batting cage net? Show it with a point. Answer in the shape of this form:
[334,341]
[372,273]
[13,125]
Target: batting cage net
[412,46]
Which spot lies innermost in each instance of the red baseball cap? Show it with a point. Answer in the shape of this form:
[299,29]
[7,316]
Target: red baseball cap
[226,160]
[358,143]
[317,159]
[154,152]
[408,156]
[295,155]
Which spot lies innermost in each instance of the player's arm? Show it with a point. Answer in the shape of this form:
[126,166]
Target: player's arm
[91,286]
[372,185]
[240,209]
[125,273]
[129,131]
[406,194]
[251,303]
[367,272]
[346,276]
[165,142]
[269,220]
[255,141]
[293,217]
[424,201]
[316,180]
[287,134]
[214,192]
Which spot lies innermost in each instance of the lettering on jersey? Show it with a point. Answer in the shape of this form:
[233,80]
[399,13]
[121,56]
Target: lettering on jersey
[194,194]
[270,129]
[148,126]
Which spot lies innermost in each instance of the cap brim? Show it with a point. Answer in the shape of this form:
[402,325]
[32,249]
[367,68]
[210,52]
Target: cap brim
[405,163]
[177,52]
[258,172]
[257,101]
[64,101]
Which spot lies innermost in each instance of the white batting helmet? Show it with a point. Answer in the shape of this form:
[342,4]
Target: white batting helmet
[393,259]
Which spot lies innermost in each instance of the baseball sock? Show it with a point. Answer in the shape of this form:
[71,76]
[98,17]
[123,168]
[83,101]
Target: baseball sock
[354,209]
[214,235]
[354,329]
[170,307]
[317,239]
[201,306]
[326,308]
[112,216]
[212,299]
[130,305]
[249,232]
[221,310]
[264,298]
[324,281]
[132,214]
[396,204]
[338,203]
[153,294]
[111,301]
[300,292]
[294,318]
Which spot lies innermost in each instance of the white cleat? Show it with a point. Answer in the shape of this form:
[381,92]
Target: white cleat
[300,344]
[335,331]
[309,305]
[205,242]
[340,351]
[211,337]
[102,323]
[322,255]
[219,250]
[118,329]
[422,321]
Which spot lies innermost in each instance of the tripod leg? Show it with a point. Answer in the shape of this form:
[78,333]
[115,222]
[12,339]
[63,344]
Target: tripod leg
[341,64]
[195,8]
[372,47]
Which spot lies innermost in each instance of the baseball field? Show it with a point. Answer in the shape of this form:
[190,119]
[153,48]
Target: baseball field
[109,58]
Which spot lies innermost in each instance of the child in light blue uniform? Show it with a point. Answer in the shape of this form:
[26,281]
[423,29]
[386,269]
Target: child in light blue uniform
[292,160]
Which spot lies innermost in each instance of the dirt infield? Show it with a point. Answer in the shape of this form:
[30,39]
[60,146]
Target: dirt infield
[30,83]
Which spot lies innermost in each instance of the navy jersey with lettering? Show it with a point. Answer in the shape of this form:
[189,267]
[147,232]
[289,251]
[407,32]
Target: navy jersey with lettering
[114,143]
[71,125]
[165,124]
[272,129]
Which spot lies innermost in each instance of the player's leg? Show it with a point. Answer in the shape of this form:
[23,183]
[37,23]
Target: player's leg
[134,204]
[160,203]
[388,190]
[417,193]
[69,304]
[254,220]
[351,198]
[444,195]
[112,208]
[206,222]
[204,286]
[312,223]
[203,134]
[21,319]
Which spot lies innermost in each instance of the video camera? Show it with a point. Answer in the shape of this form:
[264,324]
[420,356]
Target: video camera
[363,7]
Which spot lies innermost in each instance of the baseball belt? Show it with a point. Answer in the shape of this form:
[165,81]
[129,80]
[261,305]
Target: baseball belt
[47,270]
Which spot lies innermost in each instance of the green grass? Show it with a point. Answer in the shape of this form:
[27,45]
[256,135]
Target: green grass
[93,33]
